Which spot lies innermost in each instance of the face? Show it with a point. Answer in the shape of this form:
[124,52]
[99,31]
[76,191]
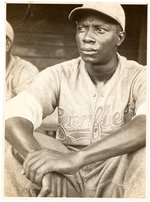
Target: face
[97,39]
[8,44]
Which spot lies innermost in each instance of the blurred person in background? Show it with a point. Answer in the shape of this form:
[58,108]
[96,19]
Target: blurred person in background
[19,72]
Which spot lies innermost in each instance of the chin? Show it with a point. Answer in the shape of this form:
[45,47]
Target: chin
[89,60]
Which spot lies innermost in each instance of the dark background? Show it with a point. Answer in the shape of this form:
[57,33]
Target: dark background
[45,36]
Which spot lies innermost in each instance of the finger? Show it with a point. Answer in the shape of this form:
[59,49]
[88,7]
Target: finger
[44,192]
[34,165]
[33,162]
[32,175]
[37,171]
[42,170]
[58,181]
[28,164]
[56,188]
[40,154]
[30,156]
[46,186]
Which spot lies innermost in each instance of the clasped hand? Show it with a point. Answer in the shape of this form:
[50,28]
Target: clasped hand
[39,163]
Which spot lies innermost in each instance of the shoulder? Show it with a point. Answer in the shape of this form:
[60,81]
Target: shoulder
[23,72]
[67,65]
[22,65]
[65,68]
[54,75]
[132,68]
[132,65]
[137,71]
[135,66]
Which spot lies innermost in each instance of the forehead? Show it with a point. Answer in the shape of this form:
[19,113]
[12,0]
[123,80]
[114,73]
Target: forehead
[96,17]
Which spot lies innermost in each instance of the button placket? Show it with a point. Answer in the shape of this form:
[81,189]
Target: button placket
[96,132]
[102,94]
[94,95]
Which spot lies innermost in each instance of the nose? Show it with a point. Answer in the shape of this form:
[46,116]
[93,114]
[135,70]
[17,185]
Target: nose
[89,37]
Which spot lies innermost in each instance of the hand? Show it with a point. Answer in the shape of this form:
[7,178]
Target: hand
[51,186]
[38,163]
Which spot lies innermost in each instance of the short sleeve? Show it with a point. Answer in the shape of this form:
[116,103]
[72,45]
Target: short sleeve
[25,106]
[46,89]
[38,101]
[140,92]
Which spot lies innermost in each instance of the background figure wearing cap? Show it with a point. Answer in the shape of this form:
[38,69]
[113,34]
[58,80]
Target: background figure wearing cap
[101,99]
[19,72]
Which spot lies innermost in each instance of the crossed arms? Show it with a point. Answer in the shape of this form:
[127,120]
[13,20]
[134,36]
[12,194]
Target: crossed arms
[39,163]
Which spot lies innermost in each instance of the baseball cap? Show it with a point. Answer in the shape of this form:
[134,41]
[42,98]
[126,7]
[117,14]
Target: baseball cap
[9,31]
[113,10]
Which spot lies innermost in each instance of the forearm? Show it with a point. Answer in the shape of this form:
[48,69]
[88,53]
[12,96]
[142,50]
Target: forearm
[128,139]
[19,133]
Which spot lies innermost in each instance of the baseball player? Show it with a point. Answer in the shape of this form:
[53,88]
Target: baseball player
[19,72]
[101,100]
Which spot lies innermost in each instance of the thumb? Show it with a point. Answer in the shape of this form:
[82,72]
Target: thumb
[44,192]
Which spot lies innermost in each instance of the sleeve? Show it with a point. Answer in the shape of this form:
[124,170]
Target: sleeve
[24,106]
[140,92]
[38,101]
[46,89]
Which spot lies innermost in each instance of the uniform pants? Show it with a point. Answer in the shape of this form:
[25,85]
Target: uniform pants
[118,177]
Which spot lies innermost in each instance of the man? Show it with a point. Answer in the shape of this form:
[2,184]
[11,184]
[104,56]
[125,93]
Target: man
[19,72]
[101,100]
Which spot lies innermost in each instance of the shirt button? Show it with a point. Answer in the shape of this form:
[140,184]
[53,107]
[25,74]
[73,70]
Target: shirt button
[95,130]
[94,94]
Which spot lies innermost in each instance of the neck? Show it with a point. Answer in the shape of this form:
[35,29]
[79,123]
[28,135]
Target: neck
[102,72]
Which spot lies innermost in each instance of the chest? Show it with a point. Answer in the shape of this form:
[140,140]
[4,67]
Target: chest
[88,113]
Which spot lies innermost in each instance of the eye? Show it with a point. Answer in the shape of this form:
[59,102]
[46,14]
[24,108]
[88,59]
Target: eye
[81,28]
[100,30]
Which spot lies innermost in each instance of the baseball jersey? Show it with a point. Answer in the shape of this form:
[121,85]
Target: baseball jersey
[85,113]
[19,74]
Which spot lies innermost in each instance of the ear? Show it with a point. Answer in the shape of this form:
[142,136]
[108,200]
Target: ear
[121,37]
[8,44]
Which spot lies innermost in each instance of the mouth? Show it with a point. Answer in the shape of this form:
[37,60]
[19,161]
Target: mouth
[88,51]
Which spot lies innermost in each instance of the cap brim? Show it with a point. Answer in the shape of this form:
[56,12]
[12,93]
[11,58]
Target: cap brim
[74,14]
[77,12]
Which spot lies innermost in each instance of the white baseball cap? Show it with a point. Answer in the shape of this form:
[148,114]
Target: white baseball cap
[9,31]
[113,10]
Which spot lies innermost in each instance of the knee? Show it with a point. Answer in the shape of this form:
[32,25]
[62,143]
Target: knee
[134,182]
[136,165]
[138,157]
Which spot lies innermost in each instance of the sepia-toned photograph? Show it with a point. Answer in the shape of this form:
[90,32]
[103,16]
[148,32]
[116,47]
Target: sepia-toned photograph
[76,100]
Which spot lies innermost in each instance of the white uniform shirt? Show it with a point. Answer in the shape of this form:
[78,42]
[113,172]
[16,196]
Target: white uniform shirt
[85,114]
[19,74]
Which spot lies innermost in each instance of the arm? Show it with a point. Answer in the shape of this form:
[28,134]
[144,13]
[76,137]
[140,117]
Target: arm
[33,106]
[19,133]
[128,139]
